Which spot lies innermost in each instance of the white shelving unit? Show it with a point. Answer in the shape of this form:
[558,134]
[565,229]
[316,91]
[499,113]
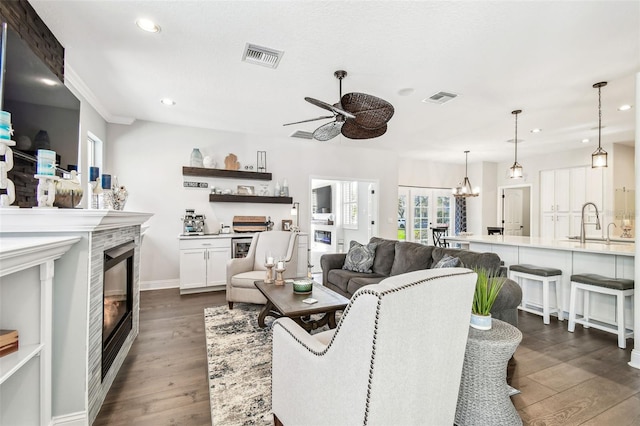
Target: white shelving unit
[26,305]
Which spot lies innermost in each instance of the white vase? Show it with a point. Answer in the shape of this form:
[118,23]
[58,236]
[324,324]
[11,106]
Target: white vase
[480,322]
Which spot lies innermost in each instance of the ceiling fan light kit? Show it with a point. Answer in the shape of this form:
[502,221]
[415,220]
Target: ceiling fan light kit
[356,115]
[465,189]
[515,171]
[599,156]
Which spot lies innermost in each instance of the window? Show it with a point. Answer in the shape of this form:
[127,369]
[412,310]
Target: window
[421,219]
[402,217]
[94,151]
[350,205]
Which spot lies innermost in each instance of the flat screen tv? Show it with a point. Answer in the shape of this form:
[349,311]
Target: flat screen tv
[322,199]
[45,114]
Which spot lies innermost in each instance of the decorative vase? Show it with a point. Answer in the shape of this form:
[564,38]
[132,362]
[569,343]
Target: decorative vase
[41,140]
[68,192]
[481,322]
[196,158]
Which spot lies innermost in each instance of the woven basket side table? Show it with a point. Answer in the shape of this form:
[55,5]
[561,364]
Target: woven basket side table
[484,394]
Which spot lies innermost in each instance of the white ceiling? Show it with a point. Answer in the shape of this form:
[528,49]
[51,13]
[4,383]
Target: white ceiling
[539,56]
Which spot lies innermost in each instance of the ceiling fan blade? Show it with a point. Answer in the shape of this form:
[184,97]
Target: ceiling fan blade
[370,111]
[329,107]
[328,131]
[311,119]
[352,131]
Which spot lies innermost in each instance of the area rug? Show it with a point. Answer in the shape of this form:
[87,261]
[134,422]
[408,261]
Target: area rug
[239,358]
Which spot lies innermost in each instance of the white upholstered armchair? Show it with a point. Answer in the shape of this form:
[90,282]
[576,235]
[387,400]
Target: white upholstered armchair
[242,273]
[395,358]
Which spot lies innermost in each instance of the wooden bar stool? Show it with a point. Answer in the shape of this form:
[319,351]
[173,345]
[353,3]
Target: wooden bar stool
[618,287]
[545,276]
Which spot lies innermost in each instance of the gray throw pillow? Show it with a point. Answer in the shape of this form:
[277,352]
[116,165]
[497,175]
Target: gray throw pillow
[360,257]
[448,262]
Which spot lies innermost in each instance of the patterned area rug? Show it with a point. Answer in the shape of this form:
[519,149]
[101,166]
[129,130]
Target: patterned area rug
[239,357]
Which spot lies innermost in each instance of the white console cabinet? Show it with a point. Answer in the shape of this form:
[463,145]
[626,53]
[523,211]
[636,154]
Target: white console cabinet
[26,305]
[203,264]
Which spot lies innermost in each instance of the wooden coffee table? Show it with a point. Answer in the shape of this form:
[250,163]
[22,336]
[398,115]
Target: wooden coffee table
[283,302]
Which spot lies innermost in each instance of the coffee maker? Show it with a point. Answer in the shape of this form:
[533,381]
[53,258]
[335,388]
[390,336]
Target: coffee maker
[193,224]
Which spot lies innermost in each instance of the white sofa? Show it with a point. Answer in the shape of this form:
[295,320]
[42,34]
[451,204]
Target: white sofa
[395,358]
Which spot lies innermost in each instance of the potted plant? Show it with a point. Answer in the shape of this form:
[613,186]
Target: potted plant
[488,286]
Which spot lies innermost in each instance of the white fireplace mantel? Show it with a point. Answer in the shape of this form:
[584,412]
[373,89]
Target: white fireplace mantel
[66,220]
[77,386]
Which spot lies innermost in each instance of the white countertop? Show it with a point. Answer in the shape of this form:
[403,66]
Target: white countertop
[205,236]
[615,248]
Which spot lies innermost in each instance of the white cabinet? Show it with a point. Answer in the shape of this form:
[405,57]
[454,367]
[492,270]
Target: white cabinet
[26,305]
[563,192]
[203,264]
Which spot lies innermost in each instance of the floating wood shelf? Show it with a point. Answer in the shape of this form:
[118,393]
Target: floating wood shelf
[235,174]
[228,198]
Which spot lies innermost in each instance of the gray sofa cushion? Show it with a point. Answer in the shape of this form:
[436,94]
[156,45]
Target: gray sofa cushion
[340,277]
[470,259]
[411,257]
[356,283]
[385,253]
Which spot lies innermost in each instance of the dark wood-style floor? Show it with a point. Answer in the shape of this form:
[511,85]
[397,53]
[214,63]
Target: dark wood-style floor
[579,378]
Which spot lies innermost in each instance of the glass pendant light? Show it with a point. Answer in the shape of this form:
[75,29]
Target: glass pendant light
[599,157]
[465,189]
[515,171]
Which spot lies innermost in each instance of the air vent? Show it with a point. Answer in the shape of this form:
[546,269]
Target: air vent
[301,134]
[259,55]
[440,98]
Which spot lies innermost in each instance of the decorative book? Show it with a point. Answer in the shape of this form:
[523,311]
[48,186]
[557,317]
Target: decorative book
[8,342]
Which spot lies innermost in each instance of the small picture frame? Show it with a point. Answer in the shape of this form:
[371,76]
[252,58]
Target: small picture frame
[245,190]
[286,224]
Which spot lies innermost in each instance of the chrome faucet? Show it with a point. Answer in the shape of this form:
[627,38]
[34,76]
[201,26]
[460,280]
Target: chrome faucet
[608,227]
[583,223]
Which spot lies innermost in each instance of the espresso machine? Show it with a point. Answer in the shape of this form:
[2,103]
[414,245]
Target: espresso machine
[193,224]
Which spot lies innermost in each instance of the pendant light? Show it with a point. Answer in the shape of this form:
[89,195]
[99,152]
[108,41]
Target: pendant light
[465,189]
[599,157]
[515,171]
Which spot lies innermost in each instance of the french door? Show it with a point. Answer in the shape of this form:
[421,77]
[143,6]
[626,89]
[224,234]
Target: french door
[420,209]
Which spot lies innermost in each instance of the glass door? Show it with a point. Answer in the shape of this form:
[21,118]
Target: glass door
[421,209]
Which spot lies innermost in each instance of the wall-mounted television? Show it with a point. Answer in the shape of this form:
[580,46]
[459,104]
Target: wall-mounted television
[322,199]
[45,114]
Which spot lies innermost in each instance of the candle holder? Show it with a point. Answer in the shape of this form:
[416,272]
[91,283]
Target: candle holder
[46,190]
[269,278]
[279,277]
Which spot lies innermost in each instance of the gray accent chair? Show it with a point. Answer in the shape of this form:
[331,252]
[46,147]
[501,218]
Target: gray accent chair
[398,257]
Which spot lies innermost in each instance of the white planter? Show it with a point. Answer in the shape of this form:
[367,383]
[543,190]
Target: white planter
[480,322]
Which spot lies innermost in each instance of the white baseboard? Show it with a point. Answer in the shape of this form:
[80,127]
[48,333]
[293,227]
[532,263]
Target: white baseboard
[159,285]
[73,419]
[635,358]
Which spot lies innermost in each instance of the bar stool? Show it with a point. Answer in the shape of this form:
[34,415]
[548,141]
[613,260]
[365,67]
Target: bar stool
[618,287]
[439,234]
[545,276]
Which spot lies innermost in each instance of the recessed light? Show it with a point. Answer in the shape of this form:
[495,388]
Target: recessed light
[585,141]
[167,101]
[48,81]
[624,108]
[148,25]
[406,91]
[536,130]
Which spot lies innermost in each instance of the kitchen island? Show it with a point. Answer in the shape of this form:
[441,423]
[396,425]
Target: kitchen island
[572,257]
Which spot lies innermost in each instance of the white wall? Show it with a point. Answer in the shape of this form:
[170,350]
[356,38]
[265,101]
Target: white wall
[148,158]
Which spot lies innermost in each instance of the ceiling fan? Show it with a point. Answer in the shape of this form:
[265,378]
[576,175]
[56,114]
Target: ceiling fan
[357,115]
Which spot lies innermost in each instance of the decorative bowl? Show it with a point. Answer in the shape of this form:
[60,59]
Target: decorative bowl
[302,286]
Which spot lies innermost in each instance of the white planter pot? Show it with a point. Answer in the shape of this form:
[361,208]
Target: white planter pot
[481,322]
